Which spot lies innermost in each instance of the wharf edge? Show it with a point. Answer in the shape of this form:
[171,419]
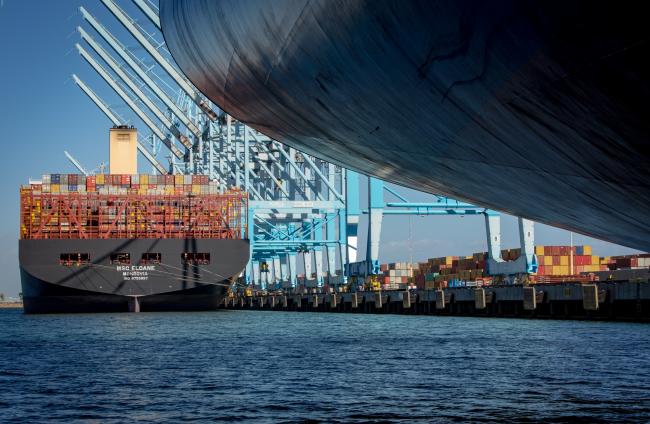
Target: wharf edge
[625,301]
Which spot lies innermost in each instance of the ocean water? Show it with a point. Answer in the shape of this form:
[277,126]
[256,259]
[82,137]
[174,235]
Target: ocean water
[301,367]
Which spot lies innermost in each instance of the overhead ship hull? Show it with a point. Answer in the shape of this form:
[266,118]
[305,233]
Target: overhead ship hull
[535,108]
[51,285]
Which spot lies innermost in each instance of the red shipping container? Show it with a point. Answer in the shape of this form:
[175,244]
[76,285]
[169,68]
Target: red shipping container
[555,251]
[196,179]
[169,179]
[125,179]
[548,251]
[556,260]
[135,186]
[564,250]
[623,263]
[153,186]
[540,270]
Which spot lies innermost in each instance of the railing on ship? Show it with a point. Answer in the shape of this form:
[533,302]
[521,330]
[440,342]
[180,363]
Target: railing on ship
[77,215]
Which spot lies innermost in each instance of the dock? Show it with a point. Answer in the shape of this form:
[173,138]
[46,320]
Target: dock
[628,301]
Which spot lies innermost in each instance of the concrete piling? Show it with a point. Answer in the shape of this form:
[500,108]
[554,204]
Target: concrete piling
[530,298]
[479,298]
[354,300]
[440,299]
[406,299]
[590,297]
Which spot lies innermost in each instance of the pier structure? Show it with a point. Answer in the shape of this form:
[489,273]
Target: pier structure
[606,300]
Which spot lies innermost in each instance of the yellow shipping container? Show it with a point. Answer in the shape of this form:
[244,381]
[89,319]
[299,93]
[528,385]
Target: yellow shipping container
[144,179]
[144,186]
[595,259]
[54,188]
[539,250]
[564,260]
[169,189]
[178,179]
[586,250]
[196,189]
[564,270]
[604,260]
[99,179]
[548,260]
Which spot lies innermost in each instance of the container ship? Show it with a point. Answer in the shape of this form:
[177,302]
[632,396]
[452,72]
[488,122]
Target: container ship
[535,108]
[129,242]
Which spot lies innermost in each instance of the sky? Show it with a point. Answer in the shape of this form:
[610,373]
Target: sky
[43,113]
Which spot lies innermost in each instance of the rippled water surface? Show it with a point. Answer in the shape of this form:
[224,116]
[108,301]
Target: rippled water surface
[293,367]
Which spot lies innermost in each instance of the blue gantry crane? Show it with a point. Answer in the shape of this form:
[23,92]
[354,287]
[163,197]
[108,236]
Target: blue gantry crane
[440,205]
[303,212]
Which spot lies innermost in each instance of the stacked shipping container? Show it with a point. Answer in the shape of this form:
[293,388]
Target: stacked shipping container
[395,275]
[129,184]
[553,261]
[559,260]
[70,206]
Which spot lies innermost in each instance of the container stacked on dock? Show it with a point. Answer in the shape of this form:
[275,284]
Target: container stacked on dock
[554,263]
[638,261]
[396,275]
[447,270]
[567,260]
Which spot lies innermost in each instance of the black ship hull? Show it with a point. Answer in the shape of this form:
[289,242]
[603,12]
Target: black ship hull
[55,284]
[535,108]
